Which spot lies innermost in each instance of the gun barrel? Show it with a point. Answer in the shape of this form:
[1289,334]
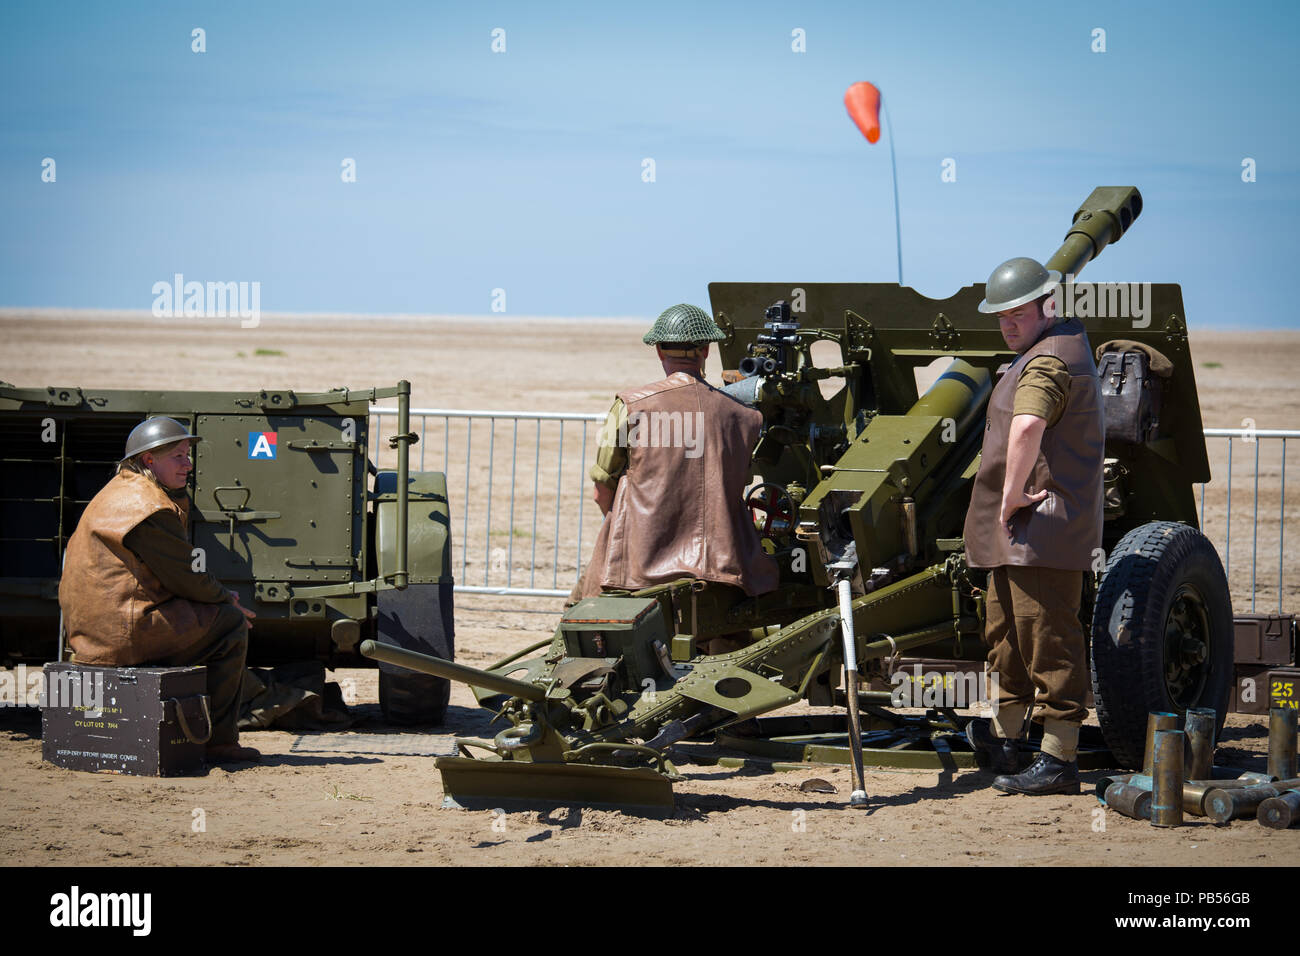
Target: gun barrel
[1103,218]
[959,393]
[426,664]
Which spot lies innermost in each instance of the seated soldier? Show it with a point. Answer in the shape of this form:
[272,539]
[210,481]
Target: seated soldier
[129,594]
[670,473]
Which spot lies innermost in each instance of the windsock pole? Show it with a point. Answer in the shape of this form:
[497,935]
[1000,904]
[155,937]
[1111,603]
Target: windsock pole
[864,102]
[898,221]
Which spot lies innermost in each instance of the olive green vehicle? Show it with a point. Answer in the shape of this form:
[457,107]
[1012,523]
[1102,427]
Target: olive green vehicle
[865,492]
[289,511]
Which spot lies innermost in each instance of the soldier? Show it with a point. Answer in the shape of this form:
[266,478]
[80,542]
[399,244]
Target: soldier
[129,594]
[673,462]
[1035,520]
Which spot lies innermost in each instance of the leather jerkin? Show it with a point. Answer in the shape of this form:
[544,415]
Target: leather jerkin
[115,610]
[1063,530]
[678,513]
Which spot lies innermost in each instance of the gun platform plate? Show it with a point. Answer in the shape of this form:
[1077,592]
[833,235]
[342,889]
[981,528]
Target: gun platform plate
[473,784]
[913,743]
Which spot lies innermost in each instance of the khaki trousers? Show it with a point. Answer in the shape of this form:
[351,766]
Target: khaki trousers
[223,653]
[1036,642]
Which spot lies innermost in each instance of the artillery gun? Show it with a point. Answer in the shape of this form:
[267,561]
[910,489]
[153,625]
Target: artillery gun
[864,492]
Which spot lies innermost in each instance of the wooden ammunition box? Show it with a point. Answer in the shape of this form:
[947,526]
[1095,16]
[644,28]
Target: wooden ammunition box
[145,721]
[1264,638]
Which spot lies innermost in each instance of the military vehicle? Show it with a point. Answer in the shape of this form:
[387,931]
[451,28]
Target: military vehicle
[862,500]
[289,510]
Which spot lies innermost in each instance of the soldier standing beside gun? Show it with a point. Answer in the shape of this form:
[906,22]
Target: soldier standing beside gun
[1035,520]
[671,489]
[129,595]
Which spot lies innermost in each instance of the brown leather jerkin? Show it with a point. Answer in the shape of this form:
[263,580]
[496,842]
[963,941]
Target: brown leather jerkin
[115,610]
[1064,529]
[677,513]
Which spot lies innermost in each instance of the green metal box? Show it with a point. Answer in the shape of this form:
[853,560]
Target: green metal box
[613,627]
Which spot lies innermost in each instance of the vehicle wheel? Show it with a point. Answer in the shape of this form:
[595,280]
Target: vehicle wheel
[1161,634]
[411,698]
[419,619]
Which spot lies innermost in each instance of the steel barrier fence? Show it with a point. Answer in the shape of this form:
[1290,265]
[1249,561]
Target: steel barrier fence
[551,494]
[1255,437]
[555,524]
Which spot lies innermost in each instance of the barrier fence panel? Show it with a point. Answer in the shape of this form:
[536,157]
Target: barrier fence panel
[525,534]
[1243,510]
[529,534]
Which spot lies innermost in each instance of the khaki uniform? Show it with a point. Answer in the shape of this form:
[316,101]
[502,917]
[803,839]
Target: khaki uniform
[1035,639]
[118,611]
[677,508]
[611,453]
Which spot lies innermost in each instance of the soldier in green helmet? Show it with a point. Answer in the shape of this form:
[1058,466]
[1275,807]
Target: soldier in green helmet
[1035,521]
[130,594]
[670,472]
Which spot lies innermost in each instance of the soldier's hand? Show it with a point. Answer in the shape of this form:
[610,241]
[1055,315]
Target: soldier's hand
[603,496]
[1013,504]
[234,597]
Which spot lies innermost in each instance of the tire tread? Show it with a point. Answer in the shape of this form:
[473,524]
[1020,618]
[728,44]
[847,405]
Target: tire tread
[1128,679]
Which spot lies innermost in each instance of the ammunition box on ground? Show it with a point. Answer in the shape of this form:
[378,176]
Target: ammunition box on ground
[1257,689]
[143,721]
[1264,638]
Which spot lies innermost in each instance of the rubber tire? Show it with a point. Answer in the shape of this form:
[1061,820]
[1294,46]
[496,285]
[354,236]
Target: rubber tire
[413,699]
[1143,573]
[419,618]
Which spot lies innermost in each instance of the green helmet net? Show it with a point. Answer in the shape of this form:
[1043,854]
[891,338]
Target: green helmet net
[684,323]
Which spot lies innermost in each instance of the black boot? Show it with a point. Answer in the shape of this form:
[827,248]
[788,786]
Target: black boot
[992,752]
[1045,775]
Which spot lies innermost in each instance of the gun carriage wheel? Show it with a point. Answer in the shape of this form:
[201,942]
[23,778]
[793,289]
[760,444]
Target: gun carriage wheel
[1161,633]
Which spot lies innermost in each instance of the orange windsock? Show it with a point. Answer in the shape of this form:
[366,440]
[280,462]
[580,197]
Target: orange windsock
[863,103]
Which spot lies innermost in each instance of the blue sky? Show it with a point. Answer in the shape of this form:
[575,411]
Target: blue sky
[522,170]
